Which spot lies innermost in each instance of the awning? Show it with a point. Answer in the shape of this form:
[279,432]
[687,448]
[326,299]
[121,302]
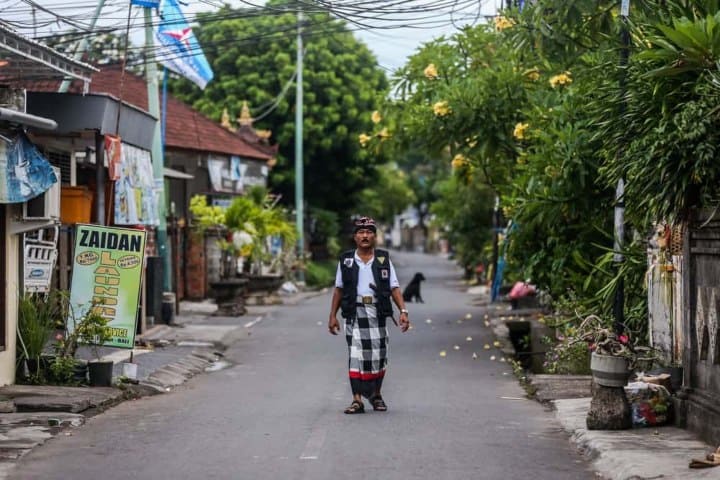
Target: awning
[22,58]
[170,173]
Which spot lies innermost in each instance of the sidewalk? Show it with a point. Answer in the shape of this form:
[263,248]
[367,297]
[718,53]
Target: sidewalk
[636,454]
[32,414]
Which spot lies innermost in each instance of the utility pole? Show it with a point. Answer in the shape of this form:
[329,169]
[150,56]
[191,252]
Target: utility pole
[618,257]
[80,49]
[299,214]
[157,150]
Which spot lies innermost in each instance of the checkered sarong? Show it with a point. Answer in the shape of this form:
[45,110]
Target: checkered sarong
[367,340]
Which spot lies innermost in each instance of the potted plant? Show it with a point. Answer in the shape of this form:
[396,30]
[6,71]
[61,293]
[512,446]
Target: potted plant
[36,322]
[613,355]
[93,331]
[89,328]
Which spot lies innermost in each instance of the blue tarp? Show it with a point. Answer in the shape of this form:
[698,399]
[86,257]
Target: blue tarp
[24,172]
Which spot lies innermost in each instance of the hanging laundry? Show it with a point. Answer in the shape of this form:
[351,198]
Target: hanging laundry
[24,172]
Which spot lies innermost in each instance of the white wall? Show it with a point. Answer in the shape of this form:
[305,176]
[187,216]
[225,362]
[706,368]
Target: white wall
[7,357]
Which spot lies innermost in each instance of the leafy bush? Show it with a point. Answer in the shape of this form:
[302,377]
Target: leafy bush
[320,274]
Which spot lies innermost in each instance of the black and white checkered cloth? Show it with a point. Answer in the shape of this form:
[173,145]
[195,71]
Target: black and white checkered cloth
[367,340]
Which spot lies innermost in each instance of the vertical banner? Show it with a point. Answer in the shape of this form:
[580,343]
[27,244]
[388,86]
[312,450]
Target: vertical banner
[107,270]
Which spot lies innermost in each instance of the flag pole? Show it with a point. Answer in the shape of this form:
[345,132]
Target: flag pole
[157,149]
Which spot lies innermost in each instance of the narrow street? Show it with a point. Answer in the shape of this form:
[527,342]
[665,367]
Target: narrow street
[277,412]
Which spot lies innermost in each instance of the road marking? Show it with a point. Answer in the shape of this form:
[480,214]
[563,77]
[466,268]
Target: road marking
[254,322]
[513,398]
[314,444]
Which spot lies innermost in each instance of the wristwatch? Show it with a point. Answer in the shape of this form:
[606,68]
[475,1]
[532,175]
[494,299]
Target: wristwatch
[404,310]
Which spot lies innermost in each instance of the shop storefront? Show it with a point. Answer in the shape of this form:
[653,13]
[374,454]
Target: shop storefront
[29,186]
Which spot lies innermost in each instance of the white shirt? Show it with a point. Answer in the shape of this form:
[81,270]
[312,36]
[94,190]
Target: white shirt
[365,276]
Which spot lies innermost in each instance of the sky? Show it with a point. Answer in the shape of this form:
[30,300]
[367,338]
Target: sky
[391,45]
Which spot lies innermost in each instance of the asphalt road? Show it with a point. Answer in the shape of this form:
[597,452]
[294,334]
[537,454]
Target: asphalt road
[277,413]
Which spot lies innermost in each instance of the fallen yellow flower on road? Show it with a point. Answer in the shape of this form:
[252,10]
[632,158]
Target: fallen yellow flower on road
[456,347]
[443,353]
[486,346]
[468,316]
[487,324]
[428,320]
[502,359]
[492,358]
[474,356]
[497,343]
[469,339]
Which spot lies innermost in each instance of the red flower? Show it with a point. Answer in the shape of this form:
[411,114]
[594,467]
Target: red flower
[623,339]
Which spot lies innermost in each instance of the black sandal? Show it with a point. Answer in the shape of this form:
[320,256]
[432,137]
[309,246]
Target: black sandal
[355,407]
[378,404]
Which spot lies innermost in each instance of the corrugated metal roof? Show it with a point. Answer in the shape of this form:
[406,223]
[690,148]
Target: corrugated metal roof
[22,58]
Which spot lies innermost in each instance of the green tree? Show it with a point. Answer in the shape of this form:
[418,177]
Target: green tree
[102,49]
[389,195]
[252,53]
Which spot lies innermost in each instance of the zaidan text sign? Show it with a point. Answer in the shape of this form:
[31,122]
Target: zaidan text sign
[107,271]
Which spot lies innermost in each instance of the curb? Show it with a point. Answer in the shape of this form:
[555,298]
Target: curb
[635,454]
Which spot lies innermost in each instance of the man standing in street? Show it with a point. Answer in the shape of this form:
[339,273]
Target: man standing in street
[364,284]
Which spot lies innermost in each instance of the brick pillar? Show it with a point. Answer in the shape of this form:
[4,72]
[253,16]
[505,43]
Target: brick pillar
[196,281]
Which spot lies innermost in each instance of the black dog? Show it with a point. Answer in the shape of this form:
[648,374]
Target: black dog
[412,291]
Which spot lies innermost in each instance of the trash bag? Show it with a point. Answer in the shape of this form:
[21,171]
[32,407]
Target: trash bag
[649,403]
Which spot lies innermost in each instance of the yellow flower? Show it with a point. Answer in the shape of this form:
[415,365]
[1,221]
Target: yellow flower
[519,131]
[501,23]
[561,79]
[376,117]
[442,109]
[533,74]
[364,139]
[459,160]
[383,133]
[431,72]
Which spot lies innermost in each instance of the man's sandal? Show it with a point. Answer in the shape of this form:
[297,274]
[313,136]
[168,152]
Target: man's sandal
[355,407]
[378,404]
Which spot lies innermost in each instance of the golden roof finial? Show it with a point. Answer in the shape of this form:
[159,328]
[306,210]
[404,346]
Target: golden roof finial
[245,118]
[225,120]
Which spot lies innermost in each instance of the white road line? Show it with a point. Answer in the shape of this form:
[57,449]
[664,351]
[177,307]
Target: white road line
[314,444]
[254,322]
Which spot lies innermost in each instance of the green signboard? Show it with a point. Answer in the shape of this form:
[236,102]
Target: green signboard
[107,271]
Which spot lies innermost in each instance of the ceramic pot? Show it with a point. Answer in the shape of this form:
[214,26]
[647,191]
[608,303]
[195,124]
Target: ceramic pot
[609,371]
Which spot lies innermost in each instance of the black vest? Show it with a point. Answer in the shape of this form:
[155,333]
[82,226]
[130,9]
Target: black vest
[381,273]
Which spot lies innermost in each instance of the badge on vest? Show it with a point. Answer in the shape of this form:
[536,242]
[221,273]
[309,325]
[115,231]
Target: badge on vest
[349,262]
[384,274]
[381,260]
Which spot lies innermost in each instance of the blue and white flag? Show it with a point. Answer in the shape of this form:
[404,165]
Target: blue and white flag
[146,3]
[179,50]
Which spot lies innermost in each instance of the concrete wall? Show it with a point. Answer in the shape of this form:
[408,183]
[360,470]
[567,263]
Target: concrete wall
[665,290]
[7,356]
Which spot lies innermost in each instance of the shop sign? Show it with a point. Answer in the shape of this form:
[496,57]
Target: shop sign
[107,272]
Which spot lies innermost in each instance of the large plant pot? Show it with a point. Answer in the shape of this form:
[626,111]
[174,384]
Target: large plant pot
[100,374]
[230,296]
[80,372]
[609,371]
